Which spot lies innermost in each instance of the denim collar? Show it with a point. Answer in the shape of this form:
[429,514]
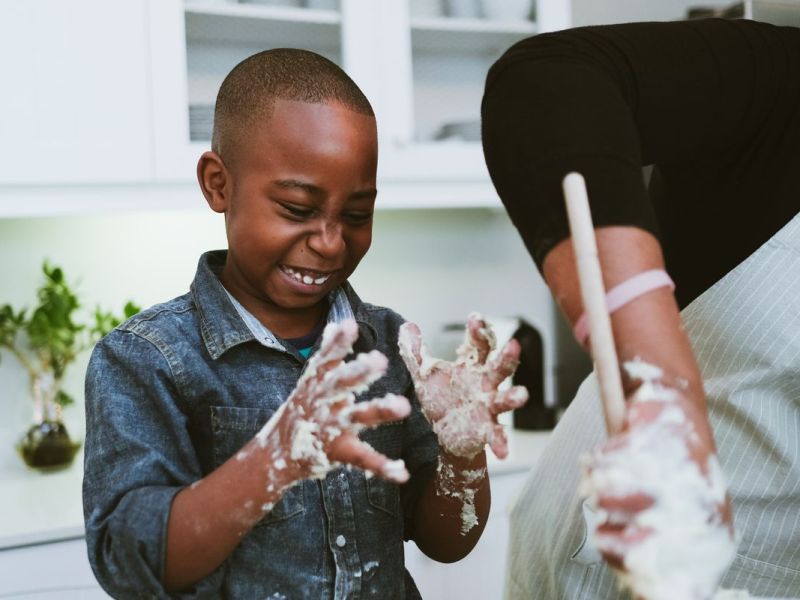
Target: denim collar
[223,327]
[339,311]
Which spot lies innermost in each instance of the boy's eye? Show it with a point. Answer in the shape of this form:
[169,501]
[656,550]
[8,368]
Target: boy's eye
[295,210]
[358,218]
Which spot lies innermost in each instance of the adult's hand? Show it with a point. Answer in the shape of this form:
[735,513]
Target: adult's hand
[664,517]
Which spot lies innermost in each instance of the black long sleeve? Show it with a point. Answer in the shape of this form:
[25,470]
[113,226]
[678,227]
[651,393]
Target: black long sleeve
[713,104]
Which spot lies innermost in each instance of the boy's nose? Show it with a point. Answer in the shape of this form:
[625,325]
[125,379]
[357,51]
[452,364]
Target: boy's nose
[327,240]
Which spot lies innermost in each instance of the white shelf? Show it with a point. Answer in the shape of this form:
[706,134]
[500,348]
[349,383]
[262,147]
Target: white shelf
[48,201]
[446,160]
[432,195]
[272,13]
[483,36]
[267,26]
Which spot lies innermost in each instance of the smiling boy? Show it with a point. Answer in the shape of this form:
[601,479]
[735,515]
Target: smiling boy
[298,202]
[218,423]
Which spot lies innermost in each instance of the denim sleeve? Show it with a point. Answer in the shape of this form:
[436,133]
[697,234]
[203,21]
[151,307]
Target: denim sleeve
[138,457]
[421,456]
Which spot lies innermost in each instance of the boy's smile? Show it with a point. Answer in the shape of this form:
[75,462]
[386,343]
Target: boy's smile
[298,192]
[306,276]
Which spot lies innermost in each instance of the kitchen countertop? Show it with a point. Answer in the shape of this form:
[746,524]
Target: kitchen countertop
[40,507]
[46,507]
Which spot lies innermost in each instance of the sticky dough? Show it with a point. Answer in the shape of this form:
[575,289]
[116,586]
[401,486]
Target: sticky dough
[688,548]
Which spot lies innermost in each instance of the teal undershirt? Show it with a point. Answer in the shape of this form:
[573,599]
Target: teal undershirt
[305,344]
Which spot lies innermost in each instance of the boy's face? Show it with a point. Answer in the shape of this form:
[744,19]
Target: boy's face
[299,198]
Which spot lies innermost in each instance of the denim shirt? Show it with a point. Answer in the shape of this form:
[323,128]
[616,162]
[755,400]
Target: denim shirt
[175,391]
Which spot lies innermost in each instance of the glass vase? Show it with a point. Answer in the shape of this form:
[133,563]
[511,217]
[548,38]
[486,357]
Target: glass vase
[47,446]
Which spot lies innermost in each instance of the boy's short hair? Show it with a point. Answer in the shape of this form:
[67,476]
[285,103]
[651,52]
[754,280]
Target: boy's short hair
[247,94]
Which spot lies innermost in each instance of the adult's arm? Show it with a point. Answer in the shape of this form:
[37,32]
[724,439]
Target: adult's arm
[699,99]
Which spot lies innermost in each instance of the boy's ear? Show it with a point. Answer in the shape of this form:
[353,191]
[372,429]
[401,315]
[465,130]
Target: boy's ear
[213,179]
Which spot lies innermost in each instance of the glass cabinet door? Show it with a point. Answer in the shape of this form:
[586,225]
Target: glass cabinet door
[221,33]
[454,42]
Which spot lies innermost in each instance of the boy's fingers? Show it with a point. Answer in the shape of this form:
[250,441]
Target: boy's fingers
[355,374]
[337,343]
[381,410]
[499,442]
[410,345]
[349,449]
[509,399]
[480,336]
[502,365]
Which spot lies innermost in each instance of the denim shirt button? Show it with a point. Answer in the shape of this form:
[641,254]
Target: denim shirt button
[340,541]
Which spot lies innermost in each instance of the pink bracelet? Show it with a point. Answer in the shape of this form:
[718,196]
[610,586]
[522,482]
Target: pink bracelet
[623,293]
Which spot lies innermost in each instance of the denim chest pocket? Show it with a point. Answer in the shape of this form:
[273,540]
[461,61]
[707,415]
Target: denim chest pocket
[383,495]
[388,440]
[232,427]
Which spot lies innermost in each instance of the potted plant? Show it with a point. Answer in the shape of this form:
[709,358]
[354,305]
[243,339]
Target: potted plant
[46,341]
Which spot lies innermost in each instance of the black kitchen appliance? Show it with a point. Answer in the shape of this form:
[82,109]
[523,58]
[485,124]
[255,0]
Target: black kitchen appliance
[535,415]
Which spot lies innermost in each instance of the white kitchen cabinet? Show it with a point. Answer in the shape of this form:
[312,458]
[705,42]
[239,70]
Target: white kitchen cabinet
[95,113]
[96,110]
[421,63]
[420,73]
[50,571]
[75,106]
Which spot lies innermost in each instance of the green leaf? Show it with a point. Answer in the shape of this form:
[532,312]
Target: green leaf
[10,324]
[131,309]
[53,336]
[63,399]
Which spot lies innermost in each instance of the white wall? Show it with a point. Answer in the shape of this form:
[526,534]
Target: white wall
[433,266]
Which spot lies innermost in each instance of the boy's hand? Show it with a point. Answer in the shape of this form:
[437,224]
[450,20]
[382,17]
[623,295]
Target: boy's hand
[317,427]
[664,517]
[460,399]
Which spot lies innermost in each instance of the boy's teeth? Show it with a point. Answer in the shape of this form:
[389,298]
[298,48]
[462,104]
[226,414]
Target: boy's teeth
[307,279]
